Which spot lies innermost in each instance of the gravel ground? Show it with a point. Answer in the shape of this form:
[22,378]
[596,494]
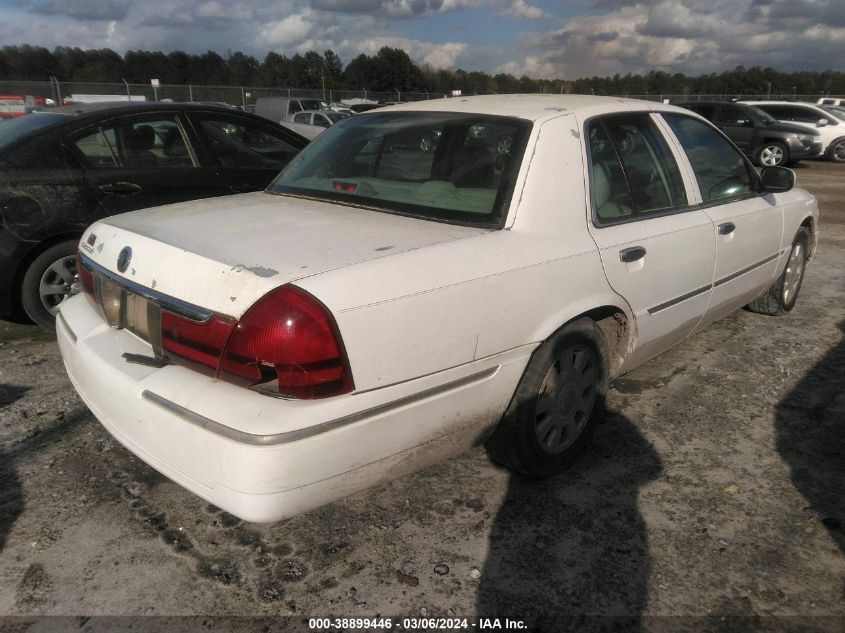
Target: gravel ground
[713,492]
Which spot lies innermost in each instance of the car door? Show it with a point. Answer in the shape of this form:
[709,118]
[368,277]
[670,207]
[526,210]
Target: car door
[140,161]
[737,125]
[248,153]
[657,251]
[748,226]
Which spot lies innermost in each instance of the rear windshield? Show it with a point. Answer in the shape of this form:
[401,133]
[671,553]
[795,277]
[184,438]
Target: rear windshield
[16,129]
[452,167]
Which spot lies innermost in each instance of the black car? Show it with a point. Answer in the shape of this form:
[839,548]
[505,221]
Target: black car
[62,169]
[767,141]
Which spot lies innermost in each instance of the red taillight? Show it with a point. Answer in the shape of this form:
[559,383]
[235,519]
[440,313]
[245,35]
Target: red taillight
[86,277]
[346,187]
[292,335]
[198,345]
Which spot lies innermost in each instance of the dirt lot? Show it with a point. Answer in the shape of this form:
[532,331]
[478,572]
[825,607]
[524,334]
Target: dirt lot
[714,489]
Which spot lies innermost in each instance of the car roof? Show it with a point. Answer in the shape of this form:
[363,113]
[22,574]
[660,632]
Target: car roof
[83,110]
[532,107]
[776,102]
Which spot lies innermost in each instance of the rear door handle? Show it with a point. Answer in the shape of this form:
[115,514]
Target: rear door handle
[632,254]
[121,188]
[726,228]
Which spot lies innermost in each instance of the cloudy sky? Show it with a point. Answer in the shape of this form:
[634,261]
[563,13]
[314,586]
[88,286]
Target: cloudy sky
[541,38]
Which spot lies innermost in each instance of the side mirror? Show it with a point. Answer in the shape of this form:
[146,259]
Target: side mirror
[777,179]
[822,122]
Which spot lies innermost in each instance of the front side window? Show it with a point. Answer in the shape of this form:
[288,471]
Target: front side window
[731,115]
[133,144]
[239,144]
[634,172]
[720,169]
[452,167]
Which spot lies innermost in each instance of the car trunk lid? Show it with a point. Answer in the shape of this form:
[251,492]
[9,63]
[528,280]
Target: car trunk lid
[225,253]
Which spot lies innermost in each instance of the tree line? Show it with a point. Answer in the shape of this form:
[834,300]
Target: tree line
[390,69]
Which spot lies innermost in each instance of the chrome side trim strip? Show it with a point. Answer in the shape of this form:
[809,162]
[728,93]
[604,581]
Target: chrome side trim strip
[171,304]
[300,434]
[61,321]
[739,273]
[677,300]
[723,280]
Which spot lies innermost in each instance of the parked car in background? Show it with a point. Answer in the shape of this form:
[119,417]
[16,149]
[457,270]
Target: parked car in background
[831,130]
[767,141]
[383,306]
[279,109]
[831,101]
[63,169]
[312,123]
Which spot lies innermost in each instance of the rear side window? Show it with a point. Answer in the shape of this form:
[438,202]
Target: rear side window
[132,143]
[720,169]
[633,170]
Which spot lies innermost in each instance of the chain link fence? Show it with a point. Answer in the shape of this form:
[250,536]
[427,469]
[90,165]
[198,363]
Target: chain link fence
[62,91]
[65,92]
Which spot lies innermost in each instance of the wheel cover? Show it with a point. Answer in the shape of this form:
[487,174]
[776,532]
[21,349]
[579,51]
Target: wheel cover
[566,398]
[58,282]
[838,152]
[794,272]
[771,156]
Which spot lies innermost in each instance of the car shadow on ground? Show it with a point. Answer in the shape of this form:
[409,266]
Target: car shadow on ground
[571,552]
[12,501]
[811,439]
[11,498]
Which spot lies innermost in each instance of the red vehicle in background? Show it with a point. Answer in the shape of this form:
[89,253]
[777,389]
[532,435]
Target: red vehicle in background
[18,105]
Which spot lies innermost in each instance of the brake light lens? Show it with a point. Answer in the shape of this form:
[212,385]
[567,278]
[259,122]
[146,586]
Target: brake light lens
[86,277]
[290,336]
[194,344]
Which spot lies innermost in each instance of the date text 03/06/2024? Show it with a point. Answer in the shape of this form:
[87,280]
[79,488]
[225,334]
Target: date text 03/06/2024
[408,624]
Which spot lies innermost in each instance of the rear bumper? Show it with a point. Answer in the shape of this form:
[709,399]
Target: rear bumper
[262,458]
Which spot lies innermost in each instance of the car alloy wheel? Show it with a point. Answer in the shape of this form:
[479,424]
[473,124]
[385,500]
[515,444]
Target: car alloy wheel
[58,282]
[837,152]
[794,272]
[771,156]
[566,398]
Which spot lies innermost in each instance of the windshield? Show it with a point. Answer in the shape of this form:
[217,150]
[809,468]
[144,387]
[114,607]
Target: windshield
[312,104]
[451,167]
[767,118]
[16,129]
[839,113]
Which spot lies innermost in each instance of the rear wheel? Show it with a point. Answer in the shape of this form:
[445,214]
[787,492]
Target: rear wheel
[771,154]
[50,279]
[550,418]
[780,298]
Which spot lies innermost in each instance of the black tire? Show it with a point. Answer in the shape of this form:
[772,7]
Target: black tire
[39,301]
[771,154]
[781,297]
[836,151]
[553,397]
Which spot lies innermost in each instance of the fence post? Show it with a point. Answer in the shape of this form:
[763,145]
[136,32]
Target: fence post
[190,93]
[243,98]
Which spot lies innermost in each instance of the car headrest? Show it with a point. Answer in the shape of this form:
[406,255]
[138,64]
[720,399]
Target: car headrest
[174,144]
[601,187]
[142,138]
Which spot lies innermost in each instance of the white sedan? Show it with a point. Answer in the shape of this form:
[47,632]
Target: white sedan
[384,306]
